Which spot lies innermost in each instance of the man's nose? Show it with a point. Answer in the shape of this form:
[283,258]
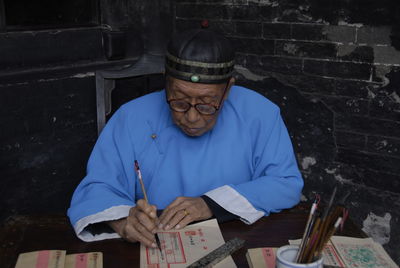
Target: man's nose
[192,115]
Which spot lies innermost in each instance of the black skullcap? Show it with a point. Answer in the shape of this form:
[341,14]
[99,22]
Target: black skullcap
[201,56]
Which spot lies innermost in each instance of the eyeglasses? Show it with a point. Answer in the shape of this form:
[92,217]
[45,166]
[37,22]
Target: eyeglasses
[182,106]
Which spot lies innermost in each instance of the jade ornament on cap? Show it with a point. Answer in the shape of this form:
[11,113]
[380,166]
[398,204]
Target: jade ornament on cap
[195,78]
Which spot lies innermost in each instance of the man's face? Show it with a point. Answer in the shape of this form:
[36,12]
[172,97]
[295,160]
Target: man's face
[192,122]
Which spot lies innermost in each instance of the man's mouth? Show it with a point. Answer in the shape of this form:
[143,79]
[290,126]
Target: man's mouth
[191,131]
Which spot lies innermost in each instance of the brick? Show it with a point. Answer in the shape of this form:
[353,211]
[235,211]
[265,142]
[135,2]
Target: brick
[362,175]
[381,179]
[289,11]
[330,11]
[389,78]
[344,105]
[366,125]
[240,2]
[355,53]
[340,34]
[226,12]
[350,140]
[368,161]
[386,55]
[371,12]
[395,36]
[315,32]
[311,32]
[253,46]
[276,30]
[384,145]
[312,85]
[359,89]
[205,1]
[267,64]
[374,35]
[385,102]
[190,11]
[226,28]
[240,59]
[306,49]
[315,85]
[345,70]
[184,24]
[385,106]
[249,13]
[248,29]
[268,12]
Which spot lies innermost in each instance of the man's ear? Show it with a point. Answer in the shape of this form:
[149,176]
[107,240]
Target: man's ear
[230,84]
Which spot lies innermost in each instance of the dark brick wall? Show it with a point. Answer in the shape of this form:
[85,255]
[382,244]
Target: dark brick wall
[46,133]
[48,102]
[334,69]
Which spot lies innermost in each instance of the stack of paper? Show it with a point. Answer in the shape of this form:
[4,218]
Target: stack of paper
[340,251]
[345,251]
[261,257]
[59,259]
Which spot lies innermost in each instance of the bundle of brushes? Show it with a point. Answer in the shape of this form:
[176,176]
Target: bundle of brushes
[320,227]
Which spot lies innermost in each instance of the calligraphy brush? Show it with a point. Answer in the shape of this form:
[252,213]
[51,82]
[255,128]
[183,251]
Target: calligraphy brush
[325,220]
[323,227]
[145,198]
[307,230]
[325,239]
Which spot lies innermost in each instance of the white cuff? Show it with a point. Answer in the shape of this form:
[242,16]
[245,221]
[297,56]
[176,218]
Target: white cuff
[235,203]
[109,214]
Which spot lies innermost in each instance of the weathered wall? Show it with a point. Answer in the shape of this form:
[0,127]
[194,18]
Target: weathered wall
[47,128]
[48,102]
[334,69]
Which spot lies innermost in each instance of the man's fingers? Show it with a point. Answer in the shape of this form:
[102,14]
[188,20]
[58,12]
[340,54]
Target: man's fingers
[135,235]
[185,221]
[185,209]
[150,210]
[142,230]
[138,230]
[137,216]
[178,217]
[178,201]
[170,211]
[166,221]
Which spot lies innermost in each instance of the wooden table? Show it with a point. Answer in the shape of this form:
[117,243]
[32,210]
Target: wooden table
[40,232]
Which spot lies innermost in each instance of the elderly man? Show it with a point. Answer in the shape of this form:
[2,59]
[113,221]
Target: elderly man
[206,148]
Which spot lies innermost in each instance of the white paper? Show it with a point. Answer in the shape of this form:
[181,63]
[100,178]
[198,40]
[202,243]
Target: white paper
[181,248]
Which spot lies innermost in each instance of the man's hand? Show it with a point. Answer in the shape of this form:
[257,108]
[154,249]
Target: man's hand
[183,211]
[139,225]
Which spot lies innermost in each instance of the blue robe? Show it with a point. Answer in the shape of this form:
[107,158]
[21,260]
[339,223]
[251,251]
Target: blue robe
[245,163]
